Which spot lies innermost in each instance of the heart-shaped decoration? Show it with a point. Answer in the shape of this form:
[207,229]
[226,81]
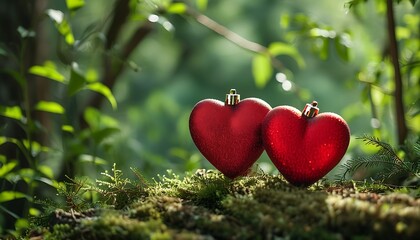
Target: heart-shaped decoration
[229,134]
[304,146]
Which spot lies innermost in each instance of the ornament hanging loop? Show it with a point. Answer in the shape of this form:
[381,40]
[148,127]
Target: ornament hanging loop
[311,110]
[232,98]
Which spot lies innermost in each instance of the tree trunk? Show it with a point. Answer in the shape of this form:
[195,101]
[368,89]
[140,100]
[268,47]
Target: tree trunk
[398,93]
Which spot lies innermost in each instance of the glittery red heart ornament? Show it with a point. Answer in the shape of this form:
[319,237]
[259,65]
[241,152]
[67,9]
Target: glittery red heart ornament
[229,134]
[304,146]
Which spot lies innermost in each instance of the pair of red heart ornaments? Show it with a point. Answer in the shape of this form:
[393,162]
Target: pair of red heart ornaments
[303,145]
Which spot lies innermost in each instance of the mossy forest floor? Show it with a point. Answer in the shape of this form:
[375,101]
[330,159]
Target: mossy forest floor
[206,205]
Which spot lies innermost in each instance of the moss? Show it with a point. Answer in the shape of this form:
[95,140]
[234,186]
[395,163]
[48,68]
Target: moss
[184,215]
[206,205]
[110,225]
[387,217]
[203,188]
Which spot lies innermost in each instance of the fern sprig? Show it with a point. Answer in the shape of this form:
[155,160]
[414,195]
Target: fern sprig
[386,151]
[386,158]
[390,168]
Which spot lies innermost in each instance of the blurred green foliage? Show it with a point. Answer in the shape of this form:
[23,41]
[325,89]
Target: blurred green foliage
[85,84]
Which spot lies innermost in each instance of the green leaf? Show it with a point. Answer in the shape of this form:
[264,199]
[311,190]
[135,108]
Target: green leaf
[35,147]
[77,80]
[48,181]
[14,112]
[261,69]
[25,33]
[85,158]
[413,2]
[48,70]
[46,170]
[74,5]
[321,47]
[61,24]
[8,139]
[6,168]
[201,4]
[67,128]
[322,33]
[402,33]
[51,107]
[92,75]
[342,50]
[101,134]
[177,8]
[6,196]
[27,174]
[279,48]
[34,212]
[93,117]
[97,120]
[285,21]
[105,91]
[21,224]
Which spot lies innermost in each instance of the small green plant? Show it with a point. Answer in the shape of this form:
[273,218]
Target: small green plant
[117,191]
[387,161]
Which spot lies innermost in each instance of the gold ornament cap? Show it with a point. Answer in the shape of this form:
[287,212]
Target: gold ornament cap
[232,98]
[311,110]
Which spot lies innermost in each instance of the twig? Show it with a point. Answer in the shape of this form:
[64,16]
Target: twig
[234,37]
[121,12]
[133,42]
[378,88]
[398,94]
[226,33]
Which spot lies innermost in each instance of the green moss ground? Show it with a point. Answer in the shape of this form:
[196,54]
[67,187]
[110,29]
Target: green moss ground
[206,205]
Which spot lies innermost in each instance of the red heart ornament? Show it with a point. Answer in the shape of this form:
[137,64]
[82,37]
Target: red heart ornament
[304,148]
[229,134]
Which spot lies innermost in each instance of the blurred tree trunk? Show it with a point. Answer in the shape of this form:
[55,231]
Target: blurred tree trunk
[21,54]
[398,92]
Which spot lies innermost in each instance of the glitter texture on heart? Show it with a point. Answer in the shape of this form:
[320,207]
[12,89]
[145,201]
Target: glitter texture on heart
[228,134]
[304,146]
